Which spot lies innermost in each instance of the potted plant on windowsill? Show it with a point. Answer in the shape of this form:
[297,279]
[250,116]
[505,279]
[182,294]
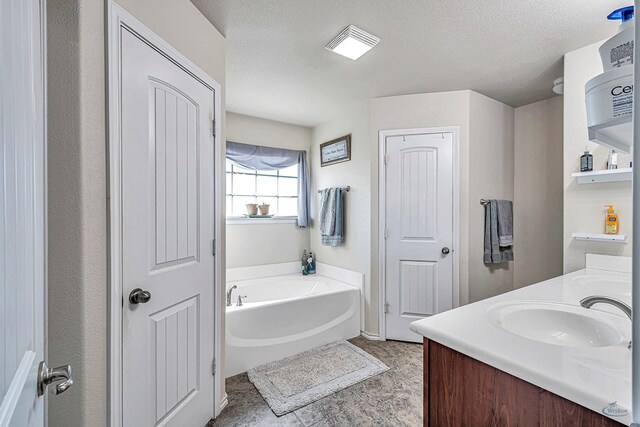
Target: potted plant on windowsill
[252,208]
[264,209]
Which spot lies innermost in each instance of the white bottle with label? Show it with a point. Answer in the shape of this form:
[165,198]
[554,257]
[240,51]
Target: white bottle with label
[612,161]
[618,50]
[609,96]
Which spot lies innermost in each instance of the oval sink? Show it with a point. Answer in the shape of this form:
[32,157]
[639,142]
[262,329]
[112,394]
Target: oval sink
[615,287]
[558,324]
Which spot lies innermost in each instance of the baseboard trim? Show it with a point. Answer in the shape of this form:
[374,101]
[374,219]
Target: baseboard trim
[224,402]
[370,337]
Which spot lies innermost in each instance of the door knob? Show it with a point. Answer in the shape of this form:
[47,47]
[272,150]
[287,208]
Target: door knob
[47,376]
[445,251]
[138,296]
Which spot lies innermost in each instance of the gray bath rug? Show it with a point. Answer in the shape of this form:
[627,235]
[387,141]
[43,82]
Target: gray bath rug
[296,381]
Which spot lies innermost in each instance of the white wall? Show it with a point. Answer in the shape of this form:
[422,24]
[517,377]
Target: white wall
[490,177]
[538,191]
[253,130]
[584,204]
[77,193]
[77,209]
[252,244]
[355,253]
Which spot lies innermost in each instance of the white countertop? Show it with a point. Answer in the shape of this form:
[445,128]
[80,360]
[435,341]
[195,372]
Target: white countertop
[591,377]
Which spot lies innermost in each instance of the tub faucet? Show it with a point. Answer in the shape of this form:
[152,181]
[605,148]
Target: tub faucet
[588,302]
[229,295]
[239,304]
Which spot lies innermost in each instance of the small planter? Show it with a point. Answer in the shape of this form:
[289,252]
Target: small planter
[264,209]
[252,208]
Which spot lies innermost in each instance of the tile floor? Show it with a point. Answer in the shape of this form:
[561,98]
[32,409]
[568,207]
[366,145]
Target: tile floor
[393,398]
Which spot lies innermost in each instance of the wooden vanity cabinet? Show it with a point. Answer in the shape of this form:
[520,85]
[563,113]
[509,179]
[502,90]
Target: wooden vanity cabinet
[461,391]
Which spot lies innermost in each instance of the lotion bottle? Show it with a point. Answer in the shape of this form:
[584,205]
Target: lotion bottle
[612,162]
[618,50]
[611,221]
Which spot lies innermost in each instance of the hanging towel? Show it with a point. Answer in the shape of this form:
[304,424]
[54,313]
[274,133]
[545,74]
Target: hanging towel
[494,253]
[327,211]
[336,237]
[505,223]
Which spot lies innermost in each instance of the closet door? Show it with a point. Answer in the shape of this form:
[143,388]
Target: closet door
[419,230]
[167,234]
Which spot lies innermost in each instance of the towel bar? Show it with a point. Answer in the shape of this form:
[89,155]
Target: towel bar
[347,188]
[484,202]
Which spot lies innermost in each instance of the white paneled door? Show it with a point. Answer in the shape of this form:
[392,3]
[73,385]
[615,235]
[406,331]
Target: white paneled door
[419,230]
[167,152]
[22,211]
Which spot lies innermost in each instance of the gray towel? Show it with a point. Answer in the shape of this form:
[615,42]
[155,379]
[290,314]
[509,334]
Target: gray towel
[337,236]
[505,223]
[327,211]
[494,253]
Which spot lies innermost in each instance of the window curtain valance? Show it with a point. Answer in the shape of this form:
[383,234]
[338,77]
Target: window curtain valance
[268,158]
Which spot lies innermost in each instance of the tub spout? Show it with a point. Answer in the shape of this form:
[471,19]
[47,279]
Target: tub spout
[239,304]
[229,295]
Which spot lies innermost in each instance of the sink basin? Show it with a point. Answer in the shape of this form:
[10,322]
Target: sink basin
[559,324]
[614,287]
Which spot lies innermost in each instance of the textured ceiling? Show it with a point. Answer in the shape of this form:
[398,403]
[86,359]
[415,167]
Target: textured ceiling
[510,50]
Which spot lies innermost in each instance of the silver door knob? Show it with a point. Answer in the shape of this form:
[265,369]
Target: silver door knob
[445,251]
[47,376]
[138,296]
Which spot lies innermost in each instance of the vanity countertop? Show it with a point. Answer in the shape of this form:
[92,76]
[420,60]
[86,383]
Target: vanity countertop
[598,378]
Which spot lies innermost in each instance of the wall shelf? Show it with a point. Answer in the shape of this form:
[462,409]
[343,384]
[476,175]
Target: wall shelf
[615,134]
[612,175]
[599,237]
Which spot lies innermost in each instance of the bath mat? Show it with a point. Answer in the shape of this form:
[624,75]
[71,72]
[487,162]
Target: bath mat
[296,381]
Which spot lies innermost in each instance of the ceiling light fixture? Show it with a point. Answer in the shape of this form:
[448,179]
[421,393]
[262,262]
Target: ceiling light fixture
[352,42]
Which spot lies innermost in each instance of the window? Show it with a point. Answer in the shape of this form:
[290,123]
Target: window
[278,188]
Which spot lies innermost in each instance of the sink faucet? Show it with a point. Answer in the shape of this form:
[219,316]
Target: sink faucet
[239,304]
[588,302]
[229,295]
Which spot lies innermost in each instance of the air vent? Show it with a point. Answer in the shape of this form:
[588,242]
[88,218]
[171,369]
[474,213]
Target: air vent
[352,42]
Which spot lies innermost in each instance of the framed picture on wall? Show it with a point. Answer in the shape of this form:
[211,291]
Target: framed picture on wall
[335,151]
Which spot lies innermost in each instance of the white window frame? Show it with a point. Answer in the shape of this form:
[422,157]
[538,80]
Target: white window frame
[276,219]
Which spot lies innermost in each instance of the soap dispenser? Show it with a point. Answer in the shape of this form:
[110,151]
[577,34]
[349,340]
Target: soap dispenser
[611,221]
[304,262]
[311,264]
[586,161]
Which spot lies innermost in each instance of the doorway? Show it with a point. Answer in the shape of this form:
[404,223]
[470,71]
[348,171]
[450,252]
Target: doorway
[418,227]
[165,199]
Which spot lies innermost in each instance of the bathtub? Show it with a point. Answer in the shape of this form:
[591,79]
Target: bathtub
[285,315]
